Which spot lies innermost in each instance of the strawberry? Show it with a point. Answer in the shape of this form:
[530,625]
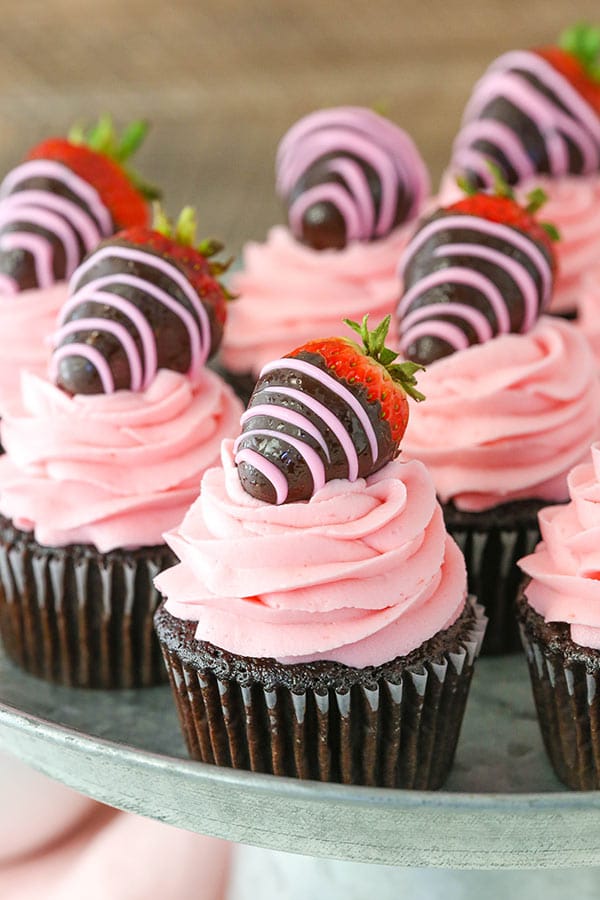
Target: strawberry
[535,112]
[330,409]
[481,267]
[67,196]
[146,299]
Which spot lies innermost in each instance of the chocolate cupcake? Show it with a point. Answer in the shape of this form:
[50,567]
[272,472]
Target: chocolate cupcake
[558,610]
[512,396]
[106,457]
[317,625]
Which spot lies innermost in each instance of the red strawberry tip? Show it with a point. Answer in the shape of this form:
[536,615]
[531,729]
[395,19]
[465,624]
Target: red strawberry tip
[582,41]
[374,346]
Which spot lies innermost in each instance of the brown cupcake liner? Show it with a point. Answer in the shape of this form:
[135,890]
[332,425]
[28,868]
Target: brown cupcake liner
[492,544]
[397,727]
[78,617]
[566,690]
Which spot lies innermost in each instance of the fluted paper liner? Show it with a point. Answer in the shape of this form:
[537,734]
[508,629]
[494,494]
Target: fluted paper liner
[492,549]
[567,698]
[78,617]
[395,731]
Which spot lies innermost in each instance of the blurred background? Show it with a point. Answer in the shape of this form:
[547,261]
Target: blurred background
[222,81]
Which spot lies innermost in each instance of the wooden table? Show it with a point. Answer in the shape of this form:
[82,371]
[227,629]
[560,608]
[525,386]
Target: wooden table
[222,81]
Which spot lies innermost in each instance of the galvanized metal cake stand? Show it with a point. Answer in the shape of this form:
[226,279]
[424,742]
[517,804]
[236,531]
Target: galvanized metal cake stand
[502,807]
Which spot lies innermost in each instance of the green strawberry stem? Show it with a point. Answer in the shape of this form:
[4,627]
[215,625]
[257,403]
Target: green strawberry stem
[102,137]
[374,346]
[582,41]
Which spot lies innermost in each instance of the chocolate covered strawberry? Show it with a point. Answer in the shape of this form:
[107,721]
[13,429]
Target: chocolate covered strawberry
[68,195]
[146,299]
[535,112]
[330,409]
[481,267]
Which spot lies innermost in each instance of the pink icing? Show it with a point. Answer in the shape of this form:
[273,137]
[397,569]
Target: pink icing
[565,568]
[290,293]
[588,320]
[26,320]
[361,573]
[507,419]
[113,470]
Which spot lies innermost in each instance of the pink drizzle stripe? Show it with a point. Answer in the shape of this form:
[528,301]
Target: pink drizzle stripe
[43,168]
[285,415]
[8,286]
[355,178]
[129,309]
[266,468]
[332,193]
[473,316]
[310,456]
[492,229]
[444,330]
[92,355]
[564,90]
[129,254]
[44,218]
[476,160]
[329,419]
[40,249]
[468,277]
[117,330]
[549,119]
[519,274]
[503,137]
[78,218]
[299,365]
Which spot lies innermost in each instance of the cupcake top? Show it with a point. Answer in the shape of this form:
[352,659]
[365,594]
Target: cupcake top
[312,542]
[361,573]
[512,398]
[507,419]
[588,307]
[353,184]
[112,470]
[565,566]
[112,452]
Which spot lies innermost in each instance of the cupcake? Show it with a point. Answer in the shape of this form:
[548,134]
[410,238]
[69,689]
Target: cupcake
[353,184]
[58,205]
[537,113]
[588,318]
[512,397]
[559,616]
[317,624]
[107,456]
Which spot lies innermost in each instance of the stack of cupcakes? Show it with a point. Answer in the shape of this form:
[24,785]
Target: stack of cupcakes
[108,454]
[317,625]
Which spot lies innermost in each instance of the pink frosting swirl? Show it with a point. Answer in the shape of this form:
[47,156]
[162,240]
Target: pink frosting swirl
[588,320]
[290,293]
[113,470]
[509,418]
[361,573]
[565,567]
[26,320]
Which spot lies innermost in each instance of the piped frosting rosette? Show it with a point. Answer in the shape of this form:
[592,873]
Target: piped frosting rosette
[113,470]
[588,320]
[507,419]
[360,574]
[564,570]
[25,323]
[288,293]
